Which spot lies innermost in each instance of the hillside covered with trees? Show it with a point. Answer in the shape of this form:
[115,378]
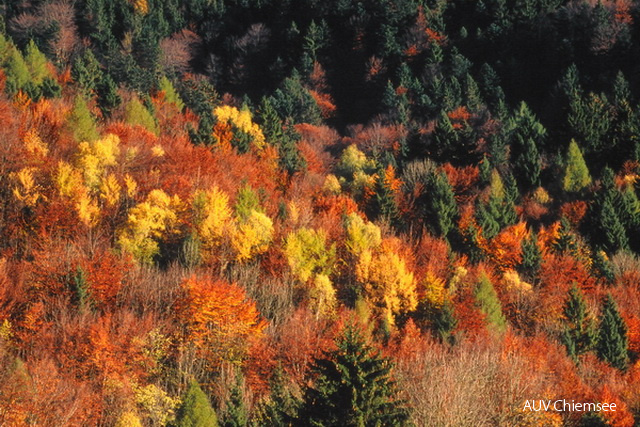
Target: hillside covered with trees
[327,213]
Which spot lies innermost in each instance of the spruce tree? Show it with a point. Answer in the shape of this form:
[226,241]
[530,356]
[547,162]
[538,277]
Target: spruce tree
[488,302]
[527,134]
[442,209]
[576,176]
[352,387]
[281,408]
[579,334]
[531,258]
[196,411]
[613,343]
[611,229]
[236,411]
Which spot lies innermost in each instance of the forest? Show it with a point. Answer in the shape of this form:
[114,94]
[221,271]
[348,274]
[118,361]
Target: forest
[319,213]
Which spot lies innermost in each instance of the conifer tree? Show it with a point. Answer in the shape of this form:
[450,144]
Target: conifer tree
[579,334]
[281,408]
[17,71]
[442,209]
[236,411]
[36,62]
[445,137]
[108,98]
[527,134]
[613,343]
[488,302]
[196,411]
[603,268]
[81,121]
[137,114]
[531,257]
[352,387]
[576,176]
[612,231]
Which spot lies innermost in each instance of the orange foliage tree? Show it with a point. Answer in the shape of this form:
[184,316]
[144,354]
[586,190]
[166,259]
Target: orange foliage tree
[218,319]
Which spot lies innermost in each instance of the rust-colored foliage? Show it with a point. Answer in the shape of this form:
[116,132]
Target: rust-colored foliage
[506,247]
[217,318]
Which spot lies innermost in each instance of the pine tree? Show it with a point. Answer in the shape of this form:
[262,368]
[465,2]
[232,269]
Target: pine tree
[576,176]
[488,302]
[445,322]
[603,268]
[580,334]
[17,71]
[36,62]
[352,387]
[613,343]
[196,411]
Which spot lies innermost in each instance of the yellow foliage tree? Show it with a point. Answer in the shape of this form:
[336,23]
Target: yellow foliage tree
[110,190]
[95,157]
[434,290]
[242,120]
[147,223]
[26,189]
[252,236]
[67,179]
[34,145]
[307,253]
[212,218]
[361,235]
[388,285]
[322,296]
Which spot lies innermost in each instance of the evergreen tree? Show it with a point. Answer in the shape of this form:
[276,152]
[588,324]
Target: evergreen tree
[442,209]
[17,71]
[531,258]
[236,411]
[576,176]
[488,302]
[445,138]
[36,63]
[527,134]
[138,114]
[579,334]
[445,322]
[603,268]
[613,343]
[81,121]
[385,198]
[108,98]
[613,234]
[281,408]
[196,411]
[352,387]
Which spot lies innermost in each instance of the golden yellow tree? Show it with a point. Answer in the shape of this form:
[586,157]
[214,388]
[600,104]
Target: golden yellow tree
[389,286]
[147,223]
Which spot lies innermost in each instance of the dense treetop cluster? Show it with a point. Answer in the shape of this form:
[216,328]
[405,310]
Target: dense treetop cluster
[278,212]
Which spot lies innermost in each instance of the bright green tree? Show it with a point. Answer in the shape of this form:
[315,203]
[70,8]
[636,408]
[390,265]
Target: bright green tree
[576,175]
[196,411]
[352,387]
[137,114]
[488,302]
[36,62]
[613,343]
[81,121]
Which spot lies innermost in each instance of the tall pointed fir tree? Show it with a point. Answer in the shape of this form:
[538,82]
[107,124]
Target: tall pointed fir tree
[236,411]
[613,343]
[352,387]
[580,333]
[576,175]
[527,135]
[196,411]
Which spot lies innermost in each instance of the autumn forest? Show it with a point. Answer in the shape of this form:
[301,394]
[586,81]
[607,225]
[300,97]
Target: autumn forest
[319,213]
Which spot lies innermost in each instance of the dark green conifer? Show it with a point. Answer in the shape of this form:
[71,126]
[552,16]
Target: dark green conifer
[613,343]
[352,387]
[579,334]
